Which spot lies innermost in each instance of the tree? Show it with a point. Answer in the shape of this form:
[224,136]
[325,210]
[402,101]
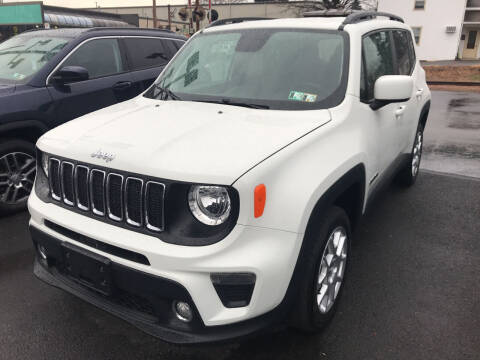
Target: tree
[300,7]
[341,4]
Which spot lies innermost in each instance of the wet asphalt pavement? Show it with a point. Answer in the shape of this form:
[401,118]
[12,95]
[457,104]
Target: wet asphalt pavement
[413,290]
[452,136]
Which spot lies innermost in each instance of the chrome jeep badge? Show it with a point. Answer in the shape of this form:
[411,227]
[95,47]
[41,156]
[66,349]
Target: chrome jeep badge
[99,154]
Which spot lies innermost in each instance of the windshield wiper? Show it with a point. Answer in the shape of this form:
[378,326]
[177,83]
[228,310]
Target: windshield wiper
[169,93]
[235,103]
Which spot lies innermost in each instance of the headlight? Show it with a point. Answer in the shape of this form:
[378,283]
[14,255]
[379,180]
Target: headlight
[44,162]
[209,204]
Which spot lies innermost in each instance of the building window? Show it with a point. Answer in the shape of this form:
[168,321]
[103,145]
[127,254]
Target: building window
[472,39]
[416,33]
[419,4]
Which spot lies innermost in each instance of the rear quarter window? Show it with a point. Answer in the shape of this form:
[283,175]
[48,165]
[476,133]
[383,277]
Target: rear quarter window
[144,53]
[403,48]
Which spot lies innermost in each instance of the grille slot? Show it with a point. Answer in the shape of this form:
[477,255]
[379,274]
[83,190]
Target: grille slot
[67,183]
[81,187]
[54,171]
[97,191]
[130,201]
[154,206]
[115,196]
[133,201]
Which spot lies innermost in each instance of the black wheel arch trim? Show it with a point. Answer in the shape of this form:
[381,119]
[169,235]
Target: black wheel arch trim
[355,176]
[424,113]
[23,124]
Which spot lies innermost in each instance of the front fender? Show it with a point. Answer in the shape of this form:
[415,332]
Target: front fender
[297,177]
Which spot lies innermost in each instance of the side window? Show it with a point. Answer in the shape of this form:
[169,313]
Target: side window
[178,43]
[412,49]
[378,61]
[403,52]
[147,53]
[100,57]
[168,44]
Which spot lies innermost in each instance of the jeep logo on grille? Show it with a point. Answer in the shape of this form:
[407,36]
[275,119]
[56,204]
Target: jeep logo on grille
[99,154]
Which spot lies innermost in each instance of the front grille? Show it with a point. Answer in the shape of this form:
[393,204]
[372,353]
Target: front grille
[110,195]
[81,182]
[67,183]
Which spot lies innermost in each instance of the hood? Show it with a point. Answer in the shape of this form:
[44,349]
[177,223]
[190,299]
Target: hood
[180,140]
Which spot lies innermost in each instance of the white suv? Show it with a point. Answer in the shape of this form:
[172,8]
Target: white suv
[223,199]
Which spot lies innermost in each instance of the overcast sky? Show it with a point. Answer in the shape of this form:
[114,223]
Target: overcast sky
[103,3]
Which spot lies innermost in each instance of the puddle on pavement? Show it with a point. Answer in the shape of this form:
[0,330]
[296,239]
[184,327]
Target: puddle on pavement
[469,151]
[460,117]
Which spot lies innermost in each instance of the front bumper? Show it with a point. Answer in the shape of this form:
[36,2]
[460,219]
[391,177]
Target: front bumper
[144,301]
[269,254]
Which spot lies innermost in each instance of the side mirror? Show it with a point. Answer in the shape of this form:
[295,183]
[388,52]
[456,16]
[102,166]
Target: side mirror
[391,89]
[70,74]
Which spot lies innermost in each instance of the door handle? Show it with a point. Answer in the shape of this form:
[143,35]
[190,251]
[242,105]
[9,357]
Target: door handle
[399,111]
[122,85]
[419,94]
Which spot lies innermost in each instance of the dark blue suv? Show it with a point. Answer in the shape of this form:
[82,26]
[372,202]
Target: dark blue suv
[48,77]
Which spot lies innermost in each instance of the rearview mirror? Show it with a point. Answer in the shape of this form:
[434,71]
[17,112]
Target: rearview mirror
[70,74]
[391,89]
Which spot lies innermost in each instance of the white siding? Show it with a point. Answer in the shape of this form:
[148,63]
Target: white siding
[435,43]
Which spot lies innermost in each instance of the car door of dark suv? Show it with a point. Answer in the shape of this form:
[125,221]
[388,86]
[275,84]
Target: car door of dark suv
[147,57]
[109,81]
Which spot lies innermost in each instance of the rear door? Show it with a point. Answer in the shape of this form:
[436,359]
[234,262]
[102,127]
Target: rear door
[405,63]
[147,56]
[109,81]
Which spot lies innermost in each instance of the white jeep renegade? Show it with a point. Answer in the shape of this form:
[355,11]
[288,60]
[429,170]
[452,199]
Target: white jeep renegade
[223,199]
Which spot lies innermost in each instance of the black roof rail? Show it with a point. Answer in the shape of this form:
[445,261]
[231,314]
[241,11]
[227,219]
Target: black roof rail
[132,28]
[329,13]
[236,21]
[367,15]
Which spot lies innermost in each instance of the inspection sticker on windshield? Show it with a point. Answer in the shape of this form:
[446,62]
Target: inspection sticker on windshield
[301,96]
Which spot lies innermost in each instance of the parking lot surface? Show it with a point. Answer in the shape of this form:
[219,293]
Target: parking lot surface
[452,135]
[413,293]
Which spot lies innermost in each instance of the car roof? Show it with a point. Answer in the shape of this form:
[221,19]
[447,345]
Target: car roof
[65,33]
[73,33]
[313,22]
[331,23]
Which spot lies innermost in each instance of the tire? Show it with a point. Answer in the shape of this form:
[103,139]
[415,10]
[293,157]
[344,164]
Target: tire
[408,175]
[17,173]
[308,314]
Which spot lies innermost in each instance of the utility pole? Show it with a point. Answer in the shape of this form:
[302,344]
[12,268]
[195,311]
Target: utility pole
[190,16]
[169,18]
[196,10]
[209,11]
[154,11]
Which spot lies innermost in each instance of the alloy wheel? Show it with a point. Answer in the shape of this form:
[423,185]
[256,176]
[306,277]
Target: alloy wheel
[332,269]
[17,174]
[417,153]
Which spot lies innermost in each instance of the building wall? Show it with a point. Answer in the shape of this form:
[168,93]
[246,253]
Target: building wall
[435,43]
[270,10]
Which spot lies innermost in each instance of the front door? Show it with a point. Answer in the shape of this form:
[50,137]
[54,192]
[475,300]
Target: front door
[384,124]
[470,50]
[109,81]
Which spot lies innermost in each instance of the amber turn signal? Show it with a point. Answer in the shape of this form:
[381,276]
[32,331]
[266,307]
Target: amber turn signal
[259,198]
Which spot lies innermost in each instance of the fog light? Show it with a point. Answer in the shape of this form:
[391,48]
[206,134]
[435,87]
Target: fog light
[42,251]
[183,311]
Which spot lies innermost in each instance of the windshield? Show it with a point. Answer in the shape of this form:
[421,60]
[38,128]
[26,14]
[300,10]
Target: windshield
[266,68]
[22,56]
